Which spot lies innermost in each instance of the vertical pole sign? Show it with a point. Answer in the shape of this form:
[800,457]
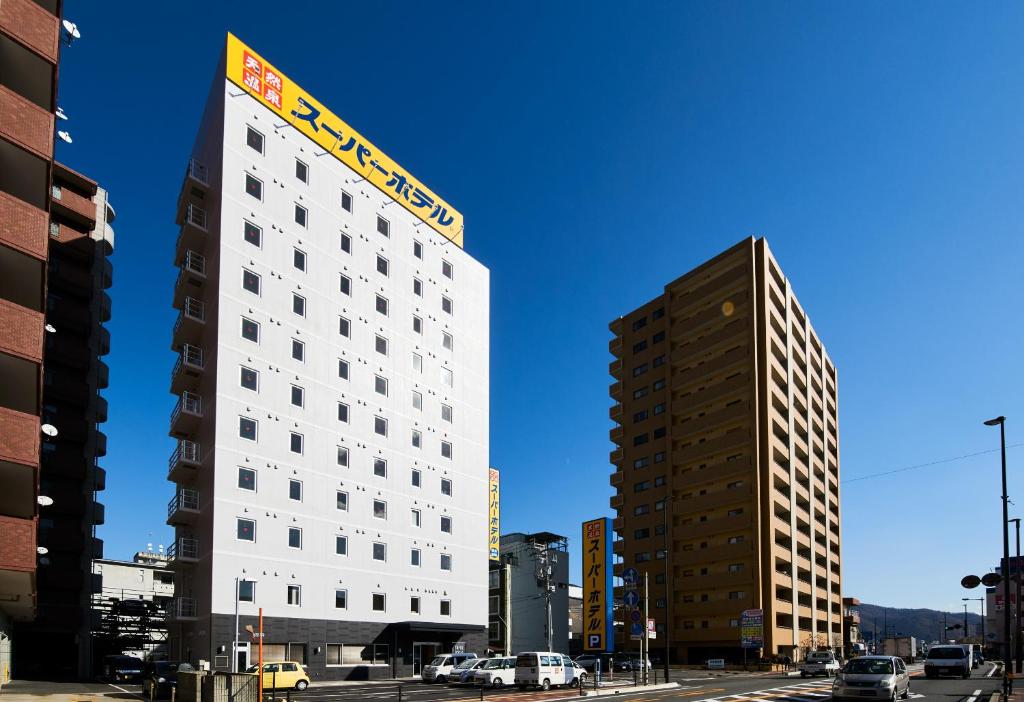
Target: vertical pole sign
[494,509]
[597,586]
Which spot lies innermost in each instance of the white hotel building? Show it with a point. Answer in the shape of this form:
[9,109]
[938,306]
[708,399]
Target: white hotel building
[332,423]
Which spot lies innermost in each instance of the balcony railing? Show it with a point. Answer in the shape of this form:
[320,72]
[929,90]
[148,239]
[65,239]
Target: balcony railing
[191,318]
[197,171]
[195,216]
[190,403]
[184,608]
[185,501]
[186,548]
[194,263]
[188,453]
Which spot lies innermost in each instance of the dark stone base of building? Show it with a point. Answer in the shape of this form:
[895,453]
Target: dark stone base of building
[372,651]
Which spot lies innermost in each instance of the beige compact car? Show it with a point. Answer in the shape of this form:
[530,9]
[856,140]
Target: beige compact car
[872,678]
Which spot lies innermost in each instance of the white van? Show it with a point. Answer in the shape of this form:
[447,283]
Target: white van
[953,659]
[440,668]
[545,669]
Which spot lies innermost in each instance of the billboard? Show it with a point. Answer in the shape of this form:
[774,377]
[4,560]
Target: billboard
[598,634]
[752,628]
[275,91]
[494,510]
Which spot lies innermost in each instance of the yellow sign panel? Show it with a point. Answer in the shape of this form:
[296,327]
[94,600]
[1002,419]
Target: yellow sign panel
[597,586]
[249,71]
[494,508]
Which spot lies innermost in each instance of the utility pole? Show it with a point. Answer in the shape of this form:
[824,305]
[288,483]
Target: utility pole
[507,605]
[645,641]
[544,574]
[234,650]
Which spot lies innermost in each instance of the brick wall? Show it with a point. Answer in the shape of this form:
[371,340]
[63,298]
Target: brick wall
[21,331]
[17,544]
[22,226]
[19,438]
[32,26]
[24,122]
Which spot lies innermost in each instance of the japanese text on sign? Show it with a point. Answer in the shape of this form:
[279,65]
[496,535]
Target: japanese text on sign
[494,508]
[597,586]
[248,70]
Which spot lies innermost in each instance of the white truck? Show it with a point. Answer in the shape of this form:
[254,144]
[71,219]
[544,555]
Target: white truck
[904,647]
[820,663]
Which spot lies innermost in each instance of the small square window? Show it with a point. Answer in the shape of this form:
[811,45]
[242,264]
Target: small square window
[250,379]
[417,478]
[250,281]
[295,595]
[380,385]
[446,487]
[414,605]
[381,345]
[343,369]
[417,400]
[298,396]
[380,426]
[345,285]
[345,327]
[417,363]
[417,324]
[254,186]
[299,259]
[301,215]
[301,171]
[446,269]
[417,287]
[446,377]
[346,201]
[380,467]
[246,591]
[295,490]
[247,428]
[299,305]
[295,441]
[417,439]
[341,599]
[379,602]
[382,305]
[346,243]
[446,524]
[380,551]
[415,557]
[298,350]
[446,304]
[447,341]
[383,226]
[342,458]
[342,412]
[446,561]
[416,518]
[252,234]
[245,529]
[446,608]
[247,479]
[342,501]
[254,140]
[294,537]
[341,545]
[382,265]
[417,249]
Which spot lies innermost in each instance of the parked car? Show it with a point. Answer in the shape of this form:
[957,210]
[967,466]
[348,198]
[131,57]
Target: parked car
[122,669]
[819,663]
[463,673]
[497,672]
[440,668]
[949,659]
[978,658]
[161,677]
[545,670]
[282,675]
[629,663]
[588,661]
[876,677]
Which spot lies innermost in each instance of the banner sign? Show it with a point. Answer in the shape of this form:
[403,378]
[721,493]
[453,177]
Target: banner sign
[598,632]
[752,628]
[275,91]
[494,509]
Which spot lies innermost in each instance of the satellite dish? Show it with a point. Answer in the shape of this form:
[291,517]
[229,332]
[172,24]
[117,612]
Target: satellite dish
[42,550]
[970,582]
[991,579]
[44,501]
[72,31]
[64,136]
[49,429]
[60,113]
[50,328]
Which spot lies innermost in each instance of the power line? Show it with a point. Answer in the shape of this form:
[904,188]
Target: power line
[926,465]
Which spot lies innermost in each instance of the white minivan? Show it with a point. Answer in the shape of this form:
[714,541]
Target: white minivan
[440,668]
[544,669]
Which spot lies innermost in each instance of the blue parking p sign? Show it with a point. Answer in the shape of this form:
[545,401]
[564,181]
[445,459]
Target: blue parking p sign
[594,641]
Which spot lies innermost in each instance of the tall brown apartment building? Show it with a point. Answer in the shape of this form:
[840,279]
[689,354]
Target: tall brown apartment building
[727,433]
[54,239]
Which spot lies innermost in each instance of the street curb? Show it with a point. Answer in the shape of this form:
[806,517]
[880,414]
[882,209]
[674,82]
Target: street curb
[632,689]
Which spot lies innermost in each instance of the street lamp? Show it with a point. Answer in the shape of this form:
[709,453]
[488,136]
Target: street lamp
[1000,421]
[1016,605]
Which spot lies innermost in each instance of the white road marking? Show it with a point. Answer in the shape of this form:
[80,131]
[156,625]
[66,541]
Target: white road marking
[129,692]
[990,673]
[973,697]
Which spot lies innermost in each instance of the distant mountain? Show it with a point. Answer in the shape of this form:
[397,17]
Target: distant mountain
[923,624]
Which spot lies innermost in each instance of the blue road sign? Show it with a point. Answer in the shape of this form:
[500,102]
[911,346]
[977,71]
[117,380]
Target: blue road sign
[631,599]
[636,629]
[635,615]
[630,577]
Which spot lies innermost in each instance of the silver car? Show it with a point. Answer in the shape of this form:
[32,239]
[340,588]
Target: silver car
[873,677]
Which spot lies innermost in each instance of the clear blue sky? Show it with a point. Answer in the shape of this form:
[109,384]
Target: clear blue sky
[598,153]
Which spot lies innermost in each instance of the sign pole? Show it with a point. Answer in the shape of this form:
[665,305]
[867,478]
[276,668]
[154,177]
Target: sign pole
[260,673]
[645,644]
